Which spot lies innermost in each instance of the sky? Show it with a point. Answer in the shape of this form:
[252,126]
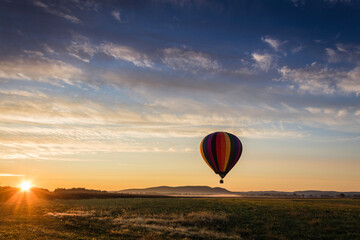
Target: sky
[119,94]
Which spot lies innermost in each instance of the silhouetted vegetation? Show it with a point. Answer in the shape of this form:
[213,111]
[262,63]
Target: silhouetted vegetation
[73,193]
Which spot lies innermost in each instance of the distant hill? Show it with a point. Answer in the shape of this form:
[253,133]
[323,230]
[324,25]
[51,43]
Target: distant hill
[182,190]
[217,191]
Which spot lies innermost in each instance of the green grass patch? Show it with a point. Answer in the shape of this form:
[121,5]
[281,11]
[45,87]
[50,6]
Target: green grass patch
[180,218]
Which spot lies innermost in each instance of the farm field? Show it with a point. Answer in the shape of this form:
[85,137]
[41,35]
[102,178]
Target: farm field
[180,218]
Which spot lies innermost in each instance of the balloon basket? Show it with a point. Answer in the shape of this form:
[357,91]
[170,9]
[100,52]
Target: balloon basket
[221,181]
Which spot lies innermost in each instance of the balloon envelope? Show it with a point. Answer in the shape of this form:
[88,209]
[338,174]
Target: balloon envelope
[221,151]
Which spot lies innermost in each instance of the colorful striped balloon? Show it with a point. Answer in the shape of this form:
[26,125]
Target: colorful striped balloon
[221,151]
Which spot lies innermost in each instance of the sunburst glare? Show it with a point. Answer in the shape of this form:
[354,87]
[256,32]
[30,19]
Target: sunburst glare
[25,186]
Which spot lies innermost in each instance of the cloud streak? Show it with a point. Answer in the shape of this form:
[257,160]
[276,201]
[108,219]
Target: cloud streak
[183,59]
[10,175]
[83,49]
[40,69]
[55,12]
[126,54]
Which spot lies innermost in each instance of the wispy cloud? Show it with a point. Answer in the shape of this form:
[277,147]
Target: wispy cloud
[274,43]
[332,56]
[335,1]
[39,69]
[318,79]
[116,15]
[313,79]
[81,48]
[263,61]
[48,49]
[22,93]
[82,126]
[10,175]
[297,49]
[65,126]
[298,3]
[55,12]
[351,83]
[183,59]
[183,3]
[126,53]
[343,53]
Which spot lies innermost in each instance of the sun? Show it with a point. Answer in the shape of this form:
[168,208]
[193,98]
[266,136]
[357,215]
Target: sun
[25,186]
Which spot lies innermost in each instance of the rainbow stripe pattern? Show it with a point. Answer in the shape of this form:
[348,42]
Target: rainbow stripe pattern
[221,151]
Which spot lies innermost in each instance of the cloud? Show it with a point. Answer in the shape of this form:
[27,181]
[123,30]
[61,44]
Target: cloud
[275,44]
[48,49]
[10,175]
[55,12]
[39,69]
[343,52]
[341,47]
[64,126]
[351,83]
[332,56]
[84,49]
[116,15]
[182,59]
[331,118]
[183,3]
[318,79]
[298,2]
[262,61]
[313,79]
[243,71]
[85,4]
[21,93]
[81,48]
[297,49]
[126,54]
[336,1]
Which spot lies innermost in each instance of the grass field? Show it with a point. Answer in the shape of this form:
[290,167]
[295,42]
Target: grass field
[180,218]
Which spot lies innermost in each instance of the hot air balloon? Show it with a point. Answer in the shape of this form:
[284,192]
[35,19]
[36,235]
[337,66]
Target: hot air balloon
[221,151]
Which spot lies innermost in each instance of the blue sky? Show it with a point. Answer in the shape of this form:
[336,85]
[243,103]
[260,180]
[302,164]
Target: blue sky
[94,93]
